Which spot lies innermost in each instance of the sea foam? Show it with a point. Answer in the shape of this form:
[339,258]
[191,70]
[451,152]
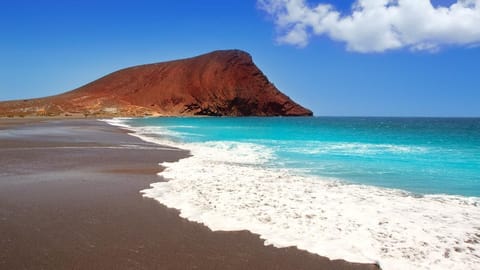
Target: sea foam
[231,186]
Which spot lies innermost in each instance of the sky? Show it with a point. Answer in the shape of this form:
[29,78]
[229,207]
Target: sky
[338,58]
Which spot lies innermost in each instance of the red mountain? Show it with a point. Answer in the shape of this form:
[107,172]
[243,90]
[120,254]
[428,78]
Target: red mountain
[220,83]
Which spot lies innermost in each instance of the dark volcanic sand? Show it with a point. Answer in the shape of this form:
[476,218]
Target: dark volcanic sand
[69,199]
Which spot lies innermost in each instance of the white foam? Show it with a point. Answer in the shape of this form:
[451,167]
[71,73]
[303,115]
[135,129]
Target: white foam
[351,148]
[229,186]
[119,122]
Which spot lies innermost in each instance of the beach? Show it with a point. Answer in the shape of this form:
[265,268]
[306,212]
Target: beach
[69,199]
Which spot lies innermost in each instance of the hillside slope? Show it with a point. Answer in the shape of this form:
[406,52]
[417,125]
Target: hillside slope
[220,83]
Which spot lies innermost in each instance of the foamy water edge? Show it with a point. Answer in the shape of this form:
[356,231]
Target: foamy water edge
[226,187]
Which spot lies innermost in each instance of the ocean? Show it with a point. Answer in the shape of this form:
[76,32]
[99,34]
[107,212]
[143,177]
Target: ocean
[400,192]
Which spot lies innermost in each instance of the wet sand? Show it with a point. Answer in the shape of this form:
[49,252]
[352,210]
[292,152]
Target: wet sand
[69,199]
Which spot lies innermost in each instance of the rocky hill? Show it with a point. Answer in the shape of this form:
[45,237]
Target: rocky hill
[220,83]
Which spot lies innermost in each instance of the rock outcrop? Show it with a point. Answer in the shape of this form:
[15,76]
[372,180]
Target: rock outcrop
[220,83]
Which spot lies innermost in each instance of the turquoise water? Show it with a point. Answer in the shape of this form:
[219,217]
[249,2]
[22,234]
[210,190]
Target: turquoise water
[420,155]
[400,192]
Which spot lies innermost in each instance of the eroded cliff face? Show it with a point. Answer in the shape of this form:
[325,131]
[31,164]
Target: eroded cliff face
[221,83]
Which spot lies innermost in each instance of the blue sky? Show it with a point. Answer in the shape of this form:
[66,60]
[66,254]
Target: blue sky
[48,47]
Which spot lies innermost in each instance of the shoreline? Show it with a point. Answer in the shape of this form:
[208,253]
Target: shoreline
[69,198]
[227,188]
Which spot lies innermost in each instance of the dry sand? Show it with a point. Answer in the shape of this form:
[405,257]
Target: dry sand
[69,199]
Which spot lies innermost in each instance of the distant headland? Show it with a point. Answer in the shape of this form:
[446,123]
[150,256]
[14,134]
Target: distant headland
[220,83]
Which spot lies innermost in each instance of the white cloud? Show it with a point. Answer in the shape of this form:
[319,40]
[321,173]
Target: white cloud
[378,25]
